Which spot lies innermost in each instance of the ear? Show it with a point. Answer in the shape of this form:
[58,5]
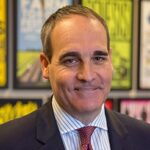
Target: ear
[44,64]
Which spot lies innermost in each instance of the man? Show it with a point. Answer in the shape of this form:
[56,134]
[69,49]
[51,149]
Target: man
[76,59]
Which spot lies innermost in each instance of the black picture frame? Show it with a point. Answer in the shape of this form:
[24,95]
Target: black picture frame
[28,20]
[4,44]
[119,18]
[144,46]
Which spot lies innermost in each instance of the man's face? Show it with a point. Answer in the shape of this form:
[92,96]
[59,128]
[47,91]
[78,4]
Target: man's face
[80,71]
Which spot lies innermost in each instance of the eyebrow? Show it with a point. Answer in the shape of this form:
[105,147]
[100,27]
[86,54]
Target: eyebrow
[69,54]
[100,52]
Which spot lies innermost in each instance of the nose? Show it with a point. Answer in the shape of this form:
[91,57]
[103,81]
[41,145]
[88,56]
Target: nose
[86,73]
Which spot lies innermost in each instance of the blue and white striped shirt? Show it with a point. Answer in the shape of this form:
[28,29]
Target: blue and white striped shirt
[67,126]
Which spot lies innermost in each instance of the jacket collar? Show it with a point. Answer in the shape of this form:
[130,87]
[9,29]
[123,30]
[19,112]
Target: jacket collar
[118,133]
[47,129]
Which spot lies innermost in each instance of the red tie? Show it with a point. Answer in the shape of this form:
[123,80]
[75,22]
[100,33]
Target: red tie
[85,137]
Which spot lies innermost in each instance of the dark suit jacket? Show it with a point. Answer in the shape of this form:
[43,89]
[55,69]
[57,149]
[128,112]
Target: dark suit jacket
[39,131]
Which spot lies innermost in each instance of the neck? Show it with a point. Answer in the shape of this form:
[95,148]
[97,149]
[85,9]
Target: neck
[87,117]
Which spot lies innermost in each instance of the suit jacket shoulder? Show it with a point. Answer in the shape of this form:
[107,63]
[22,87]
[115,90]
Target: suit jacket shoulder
[127,132]
[36,131]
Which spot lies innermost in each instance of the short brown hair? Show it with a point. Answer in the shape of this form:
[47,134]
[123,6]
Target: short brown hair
[63,13]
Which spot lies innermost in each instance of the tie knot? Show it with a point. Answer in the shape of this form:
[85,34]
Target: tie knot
[85,134]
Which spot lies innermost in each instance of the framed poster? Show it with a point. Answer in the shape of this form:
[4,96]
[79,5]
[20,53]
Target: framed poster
[15,108]
[118,16]
[30,16]
[144,45]
[136,108]
[3,43]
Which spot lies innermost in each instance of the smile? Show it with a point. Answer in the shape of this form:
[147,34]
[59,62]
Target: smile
[87,89]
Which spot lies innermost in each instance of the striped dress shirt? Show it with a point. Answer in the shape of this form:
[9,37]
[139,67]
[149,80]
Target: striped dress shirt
[67,126]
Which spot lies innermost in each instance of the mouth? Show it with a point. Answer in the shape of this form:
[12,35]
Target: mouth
[86,88]
[87,92]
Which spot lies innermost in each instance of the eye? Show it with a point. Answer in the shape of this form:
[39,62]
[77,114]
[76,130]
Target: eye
[70,61]
[99,59]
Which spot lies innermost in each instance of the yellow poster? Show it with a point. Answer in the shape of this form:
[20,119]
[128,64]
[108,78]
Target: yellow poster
[3,43]
[15,108]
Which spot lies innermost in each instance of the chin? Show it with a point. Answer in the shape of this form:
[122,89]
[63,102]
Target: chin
[89,107]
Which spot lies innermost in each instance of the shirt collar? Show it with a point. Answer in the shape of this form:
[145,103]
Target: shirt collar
[67,123]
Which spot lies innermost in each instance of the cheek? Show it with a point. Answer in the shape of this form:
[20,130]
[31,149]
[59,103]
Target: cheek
[107,74]
[60,78]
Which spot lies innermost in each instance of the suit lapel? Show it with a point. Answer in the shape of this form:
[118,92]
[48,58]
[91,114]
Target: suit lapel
[118,133]
[47,129]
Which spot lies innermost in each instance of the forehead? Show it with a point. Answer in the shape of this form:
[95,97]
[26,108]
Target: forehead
[79,22]
[78,33]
